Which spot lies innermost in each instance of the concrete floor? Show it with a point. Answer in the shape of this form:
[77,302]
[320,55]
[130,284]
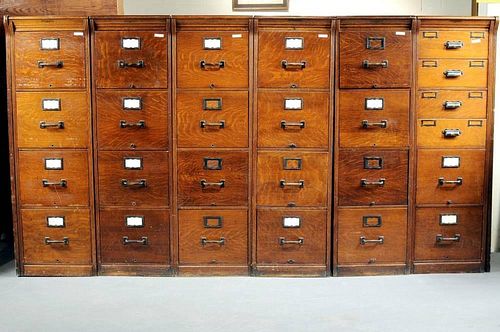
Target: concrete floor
[451,302]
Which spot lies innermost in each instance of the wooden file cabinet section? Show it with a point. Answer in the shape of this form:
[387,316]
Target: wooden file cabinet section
[237,145]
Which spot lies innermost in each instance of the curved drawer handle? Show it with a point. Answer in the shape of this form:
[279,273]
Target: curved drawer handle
[366,124]
[283,241]
[138,124]
[219,184]
[452,104]
[293,65]
[204,241]
[369,65]
[452,73]
[453,44]
[285,125]
[63,183]
[299,184]
[212,66]
[366,183]
[139,183]
[220,124]
[458,182]
[451,133]
[143,240]
[64,241]
[56,125]
[363,240]
[440,238]
[125,64]
[55,64]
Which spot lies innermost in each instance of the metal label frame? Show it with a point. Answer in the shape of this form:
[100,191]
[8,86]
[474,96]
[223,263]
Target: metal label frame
[367,100]
[58,109]
[287,164]
[206,101]
[212,48]
[441,215]
[52,226]
[207,166]
[366,221]
[208,224]
[293,108]
[367,164]
[443,159]
[133,168]
[297,217]
[131,48]
[369,41]
[50,49]
[124,99]
[53,169]
[294,48]
[142,225]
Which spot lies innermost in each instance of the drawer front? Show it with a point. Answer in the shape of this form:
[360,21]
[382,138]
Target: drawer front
[50,59]
[213,237]
[133,178]
[448,233]
[134,236]
[212,119]
[371,236]
[445,73]
[293,119]
[294,58]
[212,59]
[59,178]
[453,44]
[132,120]
[52,119]
[374,118]
[452,104]
[60,236]
[292,178]
[212,178]
[131,59]
[368,177]
[375,58]
[289,236]
[451,133]
[455,176]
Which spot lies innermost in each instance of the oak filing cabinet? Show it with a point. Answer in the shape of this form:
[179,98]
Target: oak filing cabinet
[296,146]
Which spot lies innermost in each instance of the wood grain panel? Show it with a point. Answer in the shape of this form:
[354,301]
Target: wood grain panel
[71,7]
[433,43]
[432,104]
[431,73]
[430,133]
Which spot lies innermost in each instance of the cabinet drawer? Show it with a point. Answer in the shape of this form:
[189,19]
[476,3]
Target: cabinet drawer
[57,236]
[451,133]
[213,237]
[371,236]
[212,178]
[133,178]
[445,73]
[452,104]
[374,118]
[52,119]
[292,178]
[453,44]
[294,58]
[368,177]
[289,236]
[132,120]
[58,178]
[448,233]
[212,59]
[131,59]
[375,58]
[50,59]
[455,176]
[212,119]
[293,119]
[134,236]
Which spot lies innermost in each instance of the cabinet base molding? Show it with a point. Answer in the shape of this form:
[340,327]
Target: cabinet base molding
[228,270]
[291,271]
[149,270]
[371,270]
[58,271]
[447,267]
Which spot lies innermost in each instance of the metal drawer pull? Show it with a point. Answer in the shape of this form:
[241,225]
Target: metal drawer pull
[299,184]
[458,181]
[212,66]
[452,45]
[366,183]
[363,240]
[452,73]
[124,64]
[56,64]
[282,241]
[143,241]
[138,124]
[139,183]
[205,241]
[382,64]
[452,104]
[219,184]
[366,124]
[221,124]
[440,238]
[300,124]
[57,125]
[451,133]
[293,65]
[64,241]
[63,183]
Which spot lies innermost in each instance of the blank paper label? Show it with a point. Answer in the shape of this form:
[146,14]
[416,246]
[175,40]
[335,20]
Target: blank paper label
[212,43]
[400,33]
[475,41]
[78,33]
[322,35]
[293,104]
[53,164]
[55,221]
[131,43]
[51,104]
[159,35]
[132,103]
[374,104]
[133,163]
[291,221]
[135,221]
[294,43]
[451,161]
[237,35]
[449,219]
[50,44]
